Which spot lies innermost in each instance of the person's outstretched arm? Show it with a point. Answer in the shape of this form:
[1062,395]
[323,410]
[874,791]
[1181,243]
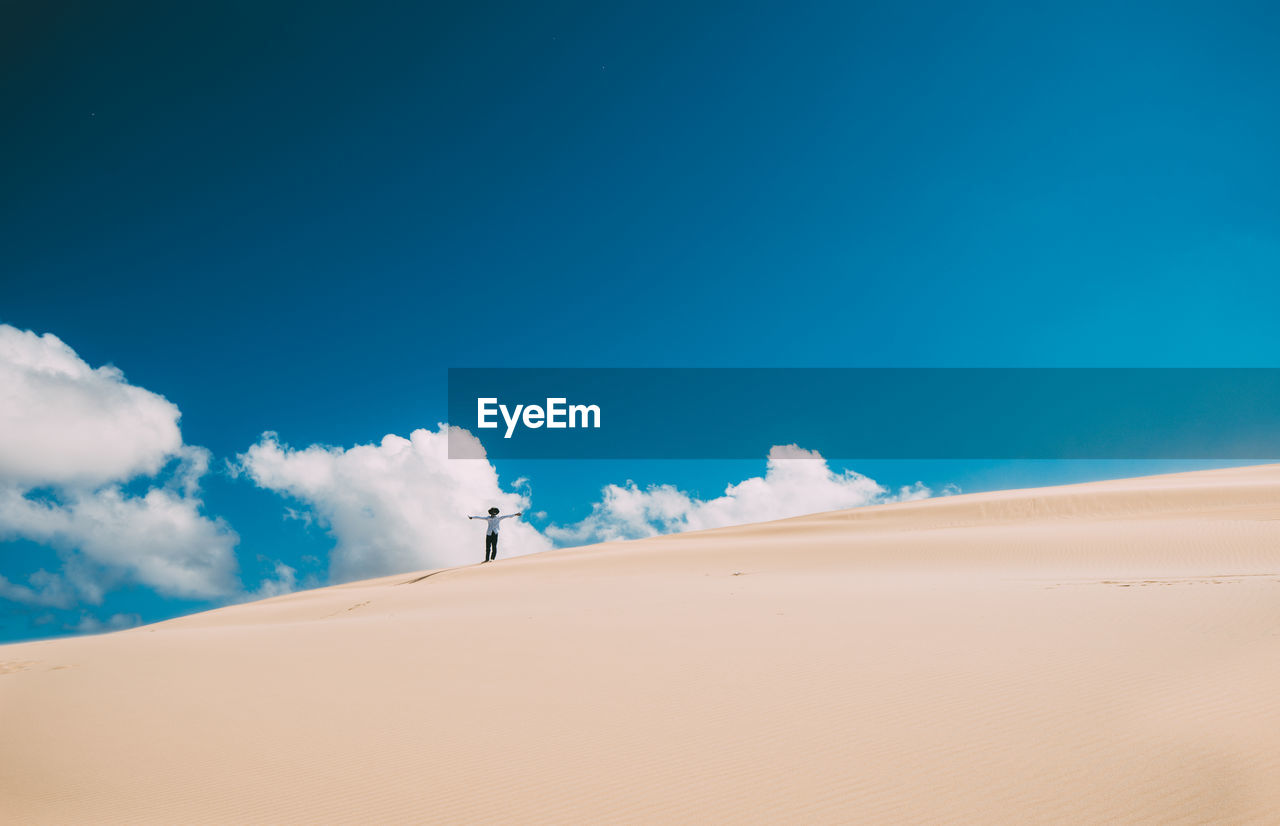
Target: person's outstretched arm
[508,516]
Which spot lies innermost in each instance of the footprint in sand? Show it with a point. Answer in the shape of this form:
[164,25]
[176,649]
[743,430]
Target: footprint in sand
[349,609]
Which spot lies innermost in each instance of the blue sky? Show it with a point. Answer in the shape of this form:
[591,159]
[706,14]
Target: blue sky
[294,219]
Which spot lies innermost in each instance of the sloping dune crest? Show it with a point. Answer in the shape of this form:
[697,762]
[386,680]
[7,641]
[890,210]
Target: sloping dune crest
[1097,653]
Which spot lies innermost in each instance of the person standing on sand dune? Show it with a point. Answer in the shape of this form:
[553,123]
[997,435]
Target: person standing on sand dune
[491,536]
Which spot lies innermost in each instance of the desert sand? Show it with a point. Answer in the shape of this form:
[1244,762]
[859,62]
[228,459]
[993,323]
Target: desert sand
[1097,653]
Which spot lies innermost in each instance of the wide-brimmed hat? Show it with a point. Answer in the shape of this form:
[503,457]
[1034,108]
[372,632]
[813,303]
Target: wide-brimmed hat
[493,511]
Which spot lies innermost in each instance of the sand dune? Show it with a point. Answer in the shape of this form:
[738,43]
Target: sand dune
[1098,653]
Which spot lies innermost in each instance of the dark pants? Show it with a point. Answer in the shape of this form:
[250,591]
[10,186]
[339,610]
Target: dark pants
[490,547]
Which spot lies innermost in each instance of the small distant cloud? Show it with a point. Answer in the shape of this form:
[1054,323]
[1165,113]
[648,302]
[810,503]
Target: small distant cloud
[116,622]
[299,515]
[796,482]
[43,589]
[283,581]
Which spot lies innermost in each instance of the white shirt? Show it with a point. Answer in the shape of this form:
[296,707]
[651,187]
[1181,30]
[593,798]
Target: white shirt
[493,521]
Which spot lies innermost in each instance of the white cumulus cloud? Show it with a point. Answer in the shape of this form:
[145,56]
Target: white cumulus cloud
[796,482]
[159,539]
[71,438]
[64,422]
[400,505]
